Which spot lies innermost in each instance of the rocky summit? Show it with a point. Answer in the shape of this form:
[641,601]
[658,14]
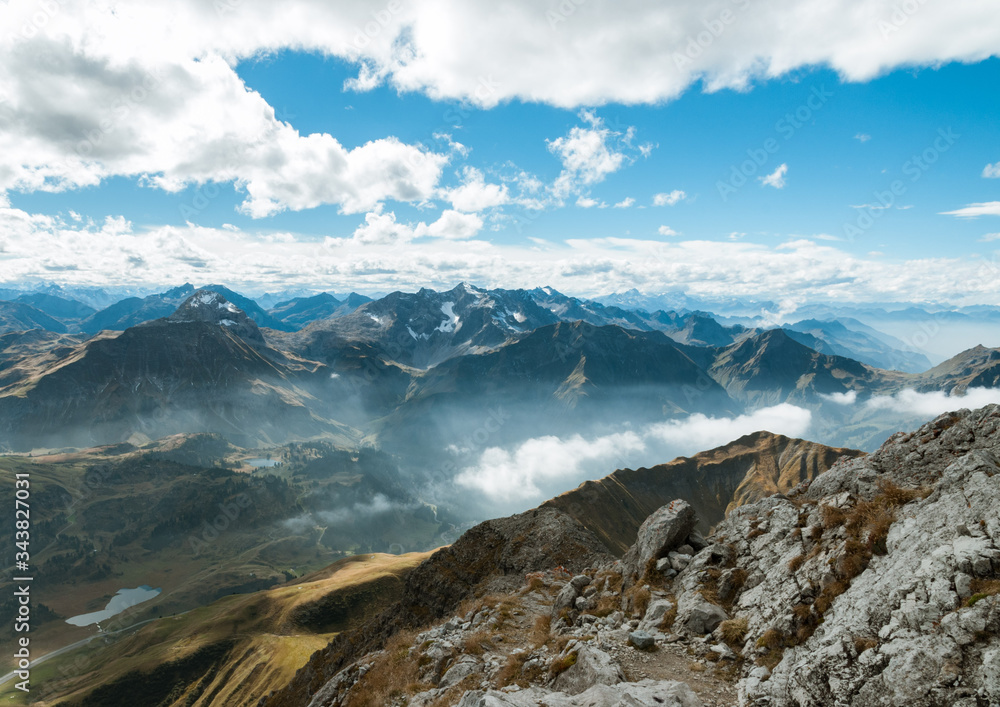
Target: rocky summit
[875,584]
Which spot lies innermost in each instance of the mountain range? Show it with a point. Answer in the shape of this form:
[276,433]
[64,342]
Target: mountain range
[415,373]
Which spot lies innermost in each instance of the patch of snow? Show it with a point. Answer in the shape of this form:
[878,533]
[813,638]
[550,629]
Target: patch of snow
[453,323]
[417,336]
[227,322]
[547,290]
[377,320]
[519,317]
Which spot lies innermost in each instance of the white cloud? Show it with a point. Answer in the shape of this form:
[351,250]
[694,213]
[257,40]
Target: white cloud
[585,202]
[150,89]
[669,199]
[990,237]
[383,229]
[667,231]
[776,178]
[488,54]
[992,171]
[848,398]
[45,248]
[862,137]
[910,402]
[625,203]
[171,124]
[588,154]
[988,208]
[541,467]
[475,194]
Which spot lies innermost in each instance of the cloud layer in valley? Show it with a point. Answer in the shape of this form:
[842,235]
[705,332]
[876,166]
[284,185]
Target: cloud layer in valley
[539,468]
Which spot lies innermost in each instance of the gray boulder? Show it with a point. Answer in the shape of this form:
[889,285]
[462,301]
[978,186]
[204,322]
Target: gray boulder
[662,693]
[654,615]
[664,530]
[641,640]
[592,667]
[698,616]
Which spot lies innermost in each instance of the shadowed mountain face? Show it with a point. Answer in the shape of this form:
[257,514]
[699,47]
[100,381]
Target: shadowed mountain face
[978,367]
[713,482]
[427,328]
[132,311]
[770,368]
[301,311]
[566,378]
[58,307]
[833,337]
[19,316]
[205,368]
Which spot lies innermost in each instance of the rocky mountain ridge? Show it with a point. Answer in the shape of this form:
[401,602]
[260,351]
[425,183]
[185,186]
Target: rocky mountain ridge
[876,584]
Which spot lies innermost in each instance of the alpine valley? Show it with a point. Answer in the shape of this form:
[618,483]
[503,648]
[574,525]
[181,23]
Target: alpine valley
[493,498]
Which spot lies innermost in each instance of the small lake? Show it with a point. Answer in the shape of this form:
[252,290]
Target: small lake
[124,599]
[262,463]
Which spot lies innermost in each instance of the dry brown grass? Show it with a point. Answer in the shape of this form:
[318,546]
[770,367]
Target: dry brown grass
[833,516]
[864,643]
[511,671]
[613,578]
[637,598]
[605,606]
[667,622]
[772,638]
[535,583]
[697,667]
[540,631]
[982,588]
[476,643]
[393,675]
[771,659]
[801,612]
[734,631]
[561,665]
[796,562]
[816,533]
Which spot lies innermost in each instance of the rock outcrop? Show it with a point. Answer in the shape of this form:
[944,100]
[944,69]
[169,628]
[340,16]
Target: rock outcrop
[875,585]
[662,532]
[713,482]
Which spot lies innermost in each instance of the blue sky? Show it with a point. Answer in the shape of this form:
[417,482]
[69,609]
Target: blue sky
[291,159]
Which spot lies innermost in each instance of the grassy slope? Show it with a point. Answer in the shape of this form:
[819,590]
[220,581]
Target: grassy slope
[260,640]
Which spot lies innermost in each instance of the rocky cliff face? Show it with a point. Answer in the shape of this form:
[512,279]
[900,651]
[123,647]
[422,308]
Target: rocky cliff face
[874,585]
[713,482]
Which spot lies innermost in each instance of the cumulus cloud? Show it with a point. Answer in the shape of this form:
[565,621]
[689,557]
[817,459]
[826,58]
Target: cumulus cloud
[848,398]
[588,154]
[544,466]
[383,229]
[599,54]
[669,198]
[992,171]
[927,405]
[585,202]
[475,194]
[987,208]
[625,203]
[667,231]
[776,178]
[862,137]
[170,124]
[37,245]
